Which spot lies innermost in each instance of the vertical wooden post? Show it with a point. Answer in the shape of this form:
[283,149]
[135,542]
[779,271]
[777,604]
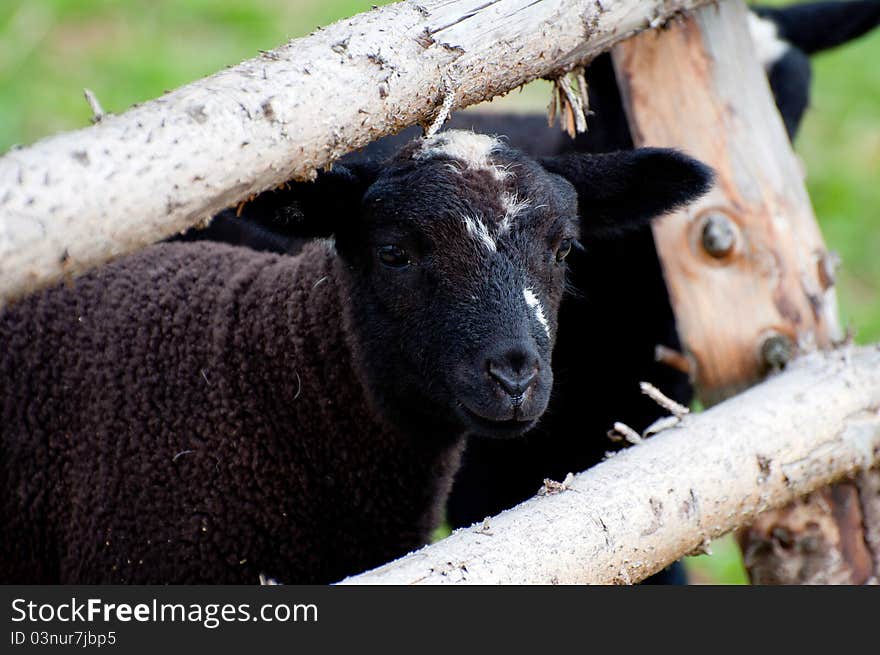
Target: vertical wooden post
[749,277]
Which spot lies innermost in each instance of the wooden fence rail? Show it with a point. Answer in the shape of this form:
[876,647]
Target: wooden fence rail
[75,200]
[644,508]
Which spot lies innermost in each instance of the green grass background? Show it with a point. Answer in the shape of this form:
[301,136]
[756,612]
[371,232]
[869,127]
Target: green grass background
[128,51]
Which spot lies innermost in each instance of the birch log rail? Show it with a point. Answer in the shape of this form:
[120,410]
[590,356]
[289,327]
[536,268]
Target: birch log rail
[647,506]
[748,307]
[75,200]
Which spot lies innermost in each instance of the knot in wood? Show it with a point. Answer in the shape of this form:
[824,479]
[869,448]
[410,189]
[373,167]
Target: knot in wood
[719,235]
[776,352]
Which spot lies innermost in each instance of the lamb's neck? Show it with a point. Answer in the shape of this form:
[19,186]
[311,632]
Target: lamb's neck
[284,341]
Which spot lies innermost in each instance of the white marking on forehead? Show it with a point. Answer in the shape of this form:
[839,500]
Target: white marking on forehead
[478,230]
[473,149]
[765,35]
[535,305]
[513,205]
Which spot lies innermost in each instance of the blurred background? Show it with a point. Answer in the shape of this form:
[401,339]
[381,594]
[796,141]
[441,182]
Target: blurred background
[129,51]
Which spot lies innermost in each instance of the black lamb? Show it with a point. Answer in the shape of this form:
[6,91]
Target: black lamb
[202,413]
[618,311]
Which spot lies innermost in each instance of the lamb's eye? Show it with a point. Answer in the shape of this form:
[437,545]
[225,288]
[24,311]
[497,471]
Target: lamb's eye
[563,249]
[393,256]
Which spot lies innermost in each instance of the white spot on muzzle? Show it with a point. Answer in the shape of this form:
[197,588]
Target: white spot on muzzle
[478,230]
[535,305]
[769,47]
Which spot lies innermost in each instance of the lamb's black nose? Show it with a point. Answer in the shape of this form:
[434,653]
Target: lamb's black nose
[515,369]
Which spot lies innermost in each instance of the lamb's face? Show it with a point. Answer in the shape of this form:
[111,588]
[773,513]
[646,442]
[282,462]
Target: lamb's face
[453,257]
[457,271]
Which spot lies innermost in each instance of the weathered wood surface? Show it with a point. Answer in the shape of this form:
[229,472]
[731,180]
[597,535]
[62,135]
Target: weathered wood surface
[716,105]
[75,200]
[828,537]
[647,506]
[749,276]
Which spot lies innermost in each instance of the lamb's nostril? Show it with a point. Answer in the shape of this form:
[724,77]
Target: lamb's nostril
[514,382]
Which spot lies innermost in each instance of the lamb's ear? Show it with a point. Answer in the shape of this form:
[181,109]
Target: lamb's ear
[622,191]
[312,209]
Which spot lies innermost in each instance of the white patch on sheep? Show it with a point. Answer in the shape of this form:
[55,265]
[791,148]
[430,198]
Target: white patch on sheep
[535,305]
[769,46]
[513,205]
[478,230]
[473,149]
